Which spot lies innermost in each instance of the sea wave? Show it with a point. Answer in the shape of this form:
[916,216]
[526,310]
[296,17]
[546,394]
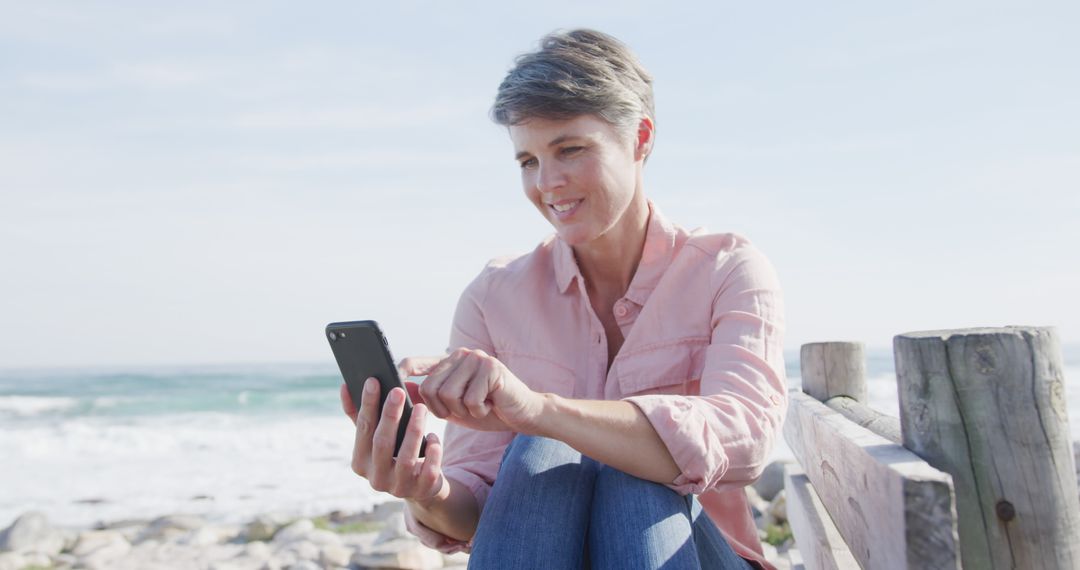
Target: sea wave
[27,406]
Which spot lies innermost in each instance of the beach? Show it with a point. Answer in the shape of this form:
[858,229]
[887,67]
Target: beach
[220,448]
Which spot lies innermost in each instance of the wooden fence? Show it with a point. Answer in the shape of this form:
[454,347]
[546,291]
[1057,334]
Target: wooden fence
[977,472]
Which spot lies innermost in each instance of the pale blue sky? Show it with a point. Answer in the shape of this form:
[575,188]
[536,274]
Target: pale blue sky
[209,182]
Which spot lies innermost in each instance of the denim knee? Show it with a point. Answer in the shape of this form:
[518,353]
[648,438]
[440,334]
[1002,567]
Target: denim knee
[537,454]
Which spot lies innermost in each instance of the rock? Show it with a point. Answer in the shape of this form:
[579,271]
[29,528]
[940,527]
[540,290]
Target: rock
[322,538]
[456,559]
[387,510]
[771,481]
[206,536]
[295,531]
[37,560]
[393,529]
[778,508]
[298,550]
[758,506]
[169,527]
[769,551]
[263,527]
[304,565]
[257,550]
[12,561]
[31,532]
[130,528]
[333,556]
[96,548]
[401,553]
[62,561]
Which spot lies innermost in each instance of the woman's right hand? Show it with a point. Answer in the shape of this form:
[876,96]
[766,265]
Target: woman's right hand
[408,476]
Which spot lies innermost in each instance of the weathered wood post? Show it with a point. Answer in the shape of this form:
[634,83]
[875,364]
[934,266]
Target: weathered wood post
[833,369]
[835,373]
[987,406]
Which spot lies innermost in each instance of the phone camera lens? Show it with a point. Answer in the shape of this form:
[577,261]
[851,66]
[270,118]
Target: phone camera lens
[333,335]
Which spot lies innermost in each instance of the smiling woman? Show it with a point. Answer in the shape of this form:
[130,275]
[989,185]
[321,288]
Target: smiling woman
[610,393]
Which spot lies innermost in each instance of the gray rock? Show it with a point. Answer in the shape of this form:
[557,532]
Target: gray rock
[31,532]
[257,550]
[758,506]
[207,535]
[456,559]
[64,561]
[334,556]
[401,553]
[298,550]
[322,538]
[97,548]
[771,481]
[393,529]
[387,510]
[130,528]
[263,527]
[170,527]
[37,560]
[12,561]
[295,531]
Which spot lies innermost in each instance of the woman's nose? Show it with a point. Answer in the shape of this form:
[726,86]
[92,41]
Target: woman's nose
[549,177]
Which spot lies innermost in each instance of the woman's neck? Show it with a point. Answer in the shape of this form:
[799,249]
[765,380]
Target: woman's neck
[608,263]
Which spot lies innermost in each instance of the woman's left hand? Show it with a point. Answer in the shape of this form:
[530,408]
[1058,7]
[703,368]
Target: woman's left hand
[473,389]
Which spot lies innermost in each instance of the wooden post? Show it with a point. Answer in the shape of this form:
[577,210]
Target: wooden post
[987,406]
[833,369]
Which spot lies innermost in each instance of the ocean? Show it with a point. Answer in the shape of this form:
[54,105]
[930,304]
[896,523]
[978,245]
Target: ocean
[224,442]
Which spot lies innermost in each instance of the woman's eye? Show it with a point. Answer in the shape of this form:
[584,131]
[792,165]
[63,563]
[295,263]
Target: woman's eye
[530,163]
[572,150]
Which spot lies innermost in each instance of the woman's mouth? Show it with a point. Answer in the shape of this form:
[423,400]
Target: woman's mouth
[565,208]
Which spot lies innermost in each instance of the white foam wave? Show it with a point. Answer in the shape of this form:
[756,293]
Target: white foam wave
[26,406]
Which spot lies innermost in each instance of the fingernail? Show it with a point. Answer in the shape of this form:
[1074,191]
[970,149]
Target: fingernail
[395,396]
[369,386]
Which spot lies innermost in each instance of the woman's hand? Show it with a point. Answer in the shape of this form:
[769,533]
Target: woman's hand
[473,389]
[408,476]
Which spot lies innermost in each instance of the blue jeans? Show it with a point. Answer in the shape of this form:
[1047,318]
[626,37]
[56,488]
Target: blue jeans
[552,507]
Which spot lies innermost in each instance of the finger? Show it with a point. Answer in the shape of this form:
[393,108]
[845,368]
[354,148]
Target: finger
[366,420]
[382,443]
[476,395]
[408,455]
[430,473]
[453,388]
[429,388]
[347,405]
[414,392]
[418,365]
[414,434]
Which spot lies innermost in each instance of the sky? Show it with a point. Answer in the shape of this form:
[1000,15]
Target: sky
[213,183]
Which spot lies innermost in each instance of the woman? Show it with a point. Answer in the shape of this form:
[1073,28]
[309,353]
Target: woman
[610,393]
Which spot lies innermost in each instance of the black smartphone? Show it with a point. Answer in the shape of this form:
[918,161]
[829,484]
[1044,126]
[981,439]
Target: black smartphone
[362,352]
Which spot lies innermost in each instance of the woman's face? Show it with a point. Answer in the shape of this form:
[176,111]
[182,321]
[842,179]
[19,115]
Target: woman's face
[580,173]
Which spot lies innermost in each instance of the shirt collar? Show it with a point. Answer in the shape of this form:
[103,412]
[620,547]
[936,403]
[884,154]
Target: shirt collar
[656,255]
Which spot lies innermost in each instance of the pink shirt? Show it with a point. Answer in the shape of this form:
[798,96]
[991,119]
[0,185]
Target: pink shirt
[702,358]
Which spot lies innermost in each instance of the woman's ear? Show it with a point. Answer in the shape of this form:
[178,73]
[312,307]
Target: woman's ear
[646,133]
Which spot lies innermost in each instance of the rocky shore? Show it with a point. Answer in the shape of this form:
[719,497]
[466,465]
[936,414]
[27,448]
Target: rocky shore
[336,540]
[375,539]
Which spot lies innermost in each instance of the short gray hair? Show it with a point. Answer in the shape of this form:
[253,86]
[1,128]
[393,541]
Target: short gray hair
[577,72]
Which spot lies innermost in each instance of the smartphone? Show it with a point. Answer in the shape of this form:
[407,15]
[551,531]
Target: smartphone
[362,352]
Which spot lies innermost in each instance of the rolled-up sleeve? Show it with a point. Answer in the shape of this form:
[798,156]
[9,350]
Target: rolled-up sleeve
[723,436]
[470,457]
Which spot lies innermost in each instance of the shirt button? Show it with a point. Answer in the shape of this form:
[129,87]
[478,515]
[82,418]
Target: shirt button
[776,399]
[620,310]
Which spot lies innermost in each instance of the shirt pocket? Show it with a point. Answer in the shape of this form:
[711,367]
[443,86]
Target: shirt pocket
[540,373]
[672,367]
